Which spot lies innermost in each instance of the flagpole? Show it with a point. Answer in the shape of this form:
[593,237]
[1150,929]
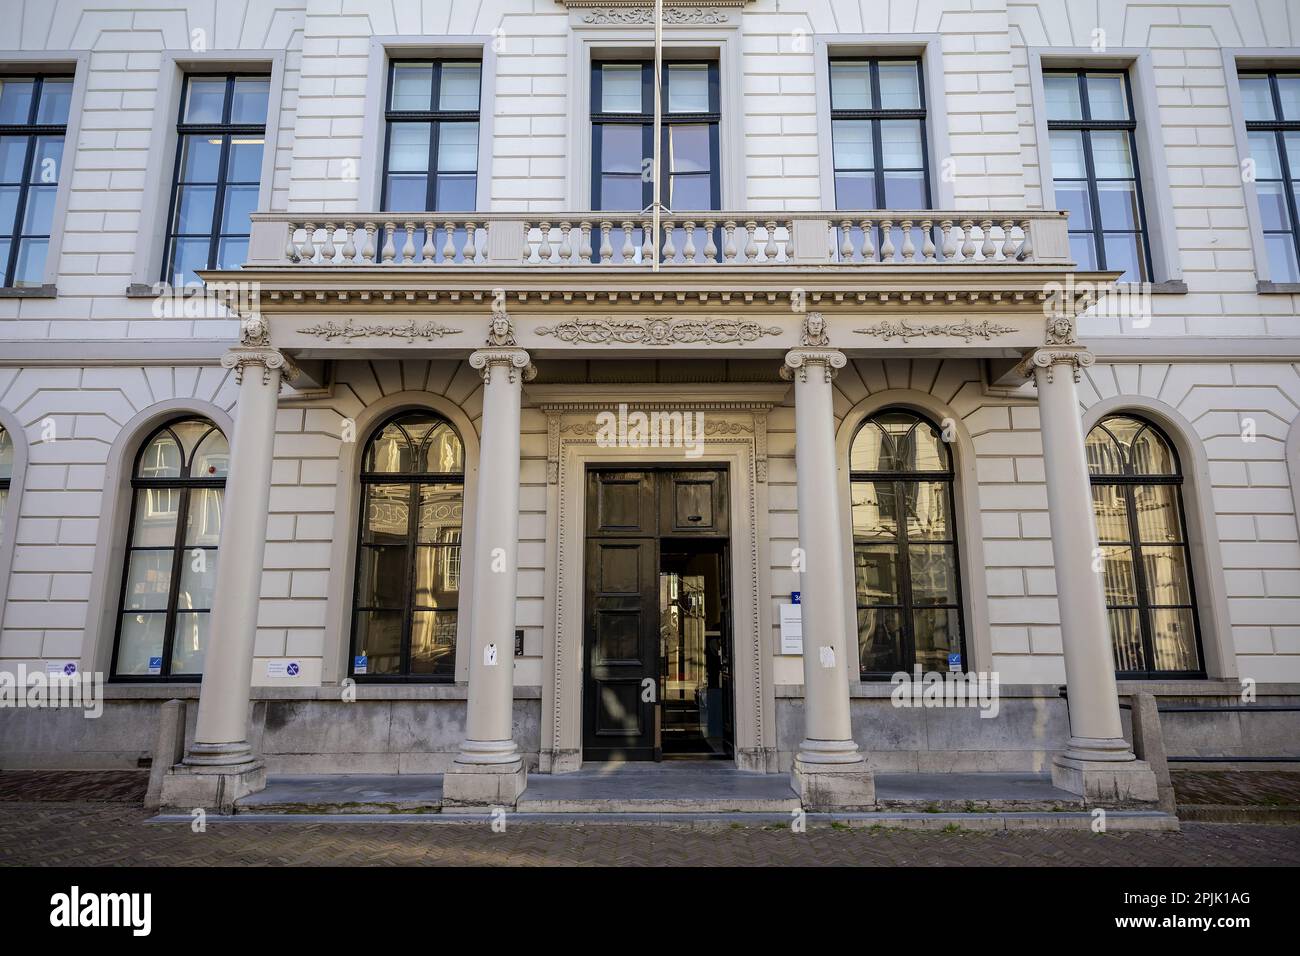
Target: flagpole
[658,127]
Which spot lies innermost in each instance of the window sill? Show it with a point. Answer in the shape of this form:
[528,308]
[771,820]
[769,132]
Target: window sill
[1169,287]
[29,292]
[145,290]
[1265,287]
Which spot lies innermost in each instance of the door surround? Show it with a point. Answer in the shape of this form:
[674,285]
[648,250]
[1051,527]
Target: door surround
[735,438]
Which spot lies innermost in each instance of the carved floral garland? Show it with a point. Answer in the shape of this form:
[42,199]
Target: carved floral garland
[964,329]
[659,331]
[409,331]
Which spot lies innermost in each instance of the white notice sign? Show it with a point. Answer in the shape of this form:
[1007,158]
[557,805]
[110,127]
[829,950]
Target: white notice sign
[791,629]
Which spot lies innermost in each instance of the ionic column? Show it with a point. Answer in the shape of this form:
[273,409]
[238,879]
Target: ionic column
[829,770]
[489,770]
[1098,762]
[220,765]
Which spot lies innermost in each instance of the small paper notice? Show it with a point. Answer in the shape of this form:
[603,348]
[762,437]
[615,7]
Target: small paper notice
[827,656]
[490,656]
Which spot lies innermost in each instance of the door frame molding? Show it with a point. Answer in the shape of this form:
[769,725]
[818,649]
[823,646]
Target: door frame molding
[735,438]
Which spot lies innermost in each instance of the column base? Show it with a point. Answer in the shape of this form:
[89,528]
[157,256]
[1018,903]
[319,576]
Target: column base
[828,787]
[473,788]
[186,787]
[1106,781]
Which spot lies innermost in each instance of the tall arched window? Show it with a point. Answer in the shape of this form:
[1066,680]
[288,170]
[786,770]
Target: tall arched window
[408,550]
[1137,501]
[6,473]
[171,554]
[905,547]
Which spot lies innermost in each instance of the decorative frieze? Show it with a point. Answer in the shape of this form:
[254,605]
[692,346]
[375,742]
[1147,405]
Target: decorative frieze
[659,332]
[673,16]
[348,331]
[966,330]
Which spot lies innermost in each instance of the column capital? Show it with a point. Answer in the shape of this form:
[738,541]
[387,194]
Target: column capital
[511,359]
[797,361]
[1075,356]
[240,357]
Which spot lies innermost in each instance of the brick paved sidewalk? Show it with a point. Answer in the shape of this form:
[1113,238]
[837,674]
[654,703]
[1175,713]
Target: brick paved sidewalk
[108,834]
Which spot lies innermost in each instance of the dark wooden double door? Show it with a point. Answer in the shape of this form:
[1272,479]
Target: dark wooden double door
[657,617]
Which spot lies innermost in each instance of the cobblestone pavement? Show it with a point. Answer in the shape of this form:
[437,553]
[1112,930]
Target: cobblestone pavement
[1225,788]
[106,834]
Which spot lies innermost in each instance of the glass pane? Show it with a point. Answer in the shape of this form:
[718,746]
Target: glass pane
[1072,196]
[1110,154]
[40,211]
[381,576]
[900,144]
[1282,265]
[872,450]
[203,524]
[56,98]
[1166,573]
[1126,640]
[13,153]
[1157,513]
[198,579]
[925,449]
[240,203]
[933,573]
[46,160]
[1083,249]
[458,88]
[1125,430]
[620,88]
[1067,154]
[443,451]
[389,451]
[6,454]
[905,191]
[621,192]
[1062,92]
[1107,99]
[140,644]
[1288,91]
[189,641]
[412,86]
[850,85]
[200,158]
[458,147]
[1124,255]
[880,640]
[155,517]
[1118,202]
[1118,579]
[440,514]
[190,432]
[408,147]
[1149,454]
[456,193]
[407,193]
[1256,98]
[691,192]
[937,634]
[250,100]
[194,209]
[161,458]
[30,269]
[379,641]
[688,149]
[927,509]
[232,253]
[244,165]
[8,210]
[620,148]
[1263,150]
[148,581]
[876,574]
[1272,205]
[387,513]
[188,256]
[433,643]
[688,88]
[1110,509]
[1174,636]
[16,101]
[212,458]
[855,190]
[900,85]
[437,576]
[851,141]
[898,425]
[205,100]
[874,510]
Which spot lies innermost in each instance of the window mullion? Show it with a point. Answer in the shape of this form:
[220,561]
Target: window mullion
[173,589]
[408,604]
[904,575]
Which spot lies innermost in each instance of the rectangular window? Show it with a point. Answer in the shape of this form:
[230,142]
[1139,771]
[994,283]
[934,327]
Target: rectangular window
[878,134]
[220,134]
[33,125]
[1272,106]
[1092,137]
[431,140]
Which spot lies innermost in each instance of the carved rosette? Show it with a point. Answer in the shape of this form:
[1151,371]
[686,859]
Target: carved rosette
[268,359]
[1076,357]
[797,362]
[510,361]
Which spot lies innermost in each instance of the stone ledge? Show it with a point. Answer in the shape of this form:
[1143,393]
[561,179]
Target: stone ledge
[329,692]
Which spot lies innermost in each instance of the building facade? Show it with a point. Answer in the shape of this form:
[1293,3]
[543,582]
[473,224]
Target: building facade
[354,388]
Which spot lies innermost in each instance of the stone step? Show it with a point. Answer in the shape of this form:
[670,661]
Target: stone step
[346,794]
[973,793]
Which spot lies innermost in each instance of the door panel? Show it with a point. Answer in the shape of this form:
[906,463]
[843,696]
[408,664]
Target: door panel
[693,502]
[620,502]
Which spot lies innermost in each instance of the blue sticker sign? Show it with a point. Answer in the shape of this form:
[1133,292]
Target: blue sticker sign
[155,665]
[794,597]
[954,662]
[292,669]
[360,664]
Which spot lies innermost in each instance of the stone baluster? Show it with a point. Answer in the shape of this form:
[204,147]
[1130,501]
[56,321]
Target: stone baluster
[470,252]
[927,240]
[988,249]
[909,246]
[688,246]
[710,244]
[544,248]
[886,240]
[729,241]
[1026,242]
[868,240]
[584,246]
[967,244]
[949,248]
[309,242]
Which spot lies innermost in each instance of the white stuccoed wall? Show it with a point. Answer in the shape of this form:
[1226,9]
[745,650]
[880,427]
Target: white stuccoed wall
[992,141]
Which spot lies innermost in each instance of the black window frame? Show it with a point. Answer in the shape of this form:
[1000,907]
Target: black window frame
[645,118]
[876,114]
[1279,128]
[184,484]
[905,606]
[33,131]
[1126,481]
[226,130]
[435,117]
[415,480]
[5,481]
[1086,125]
